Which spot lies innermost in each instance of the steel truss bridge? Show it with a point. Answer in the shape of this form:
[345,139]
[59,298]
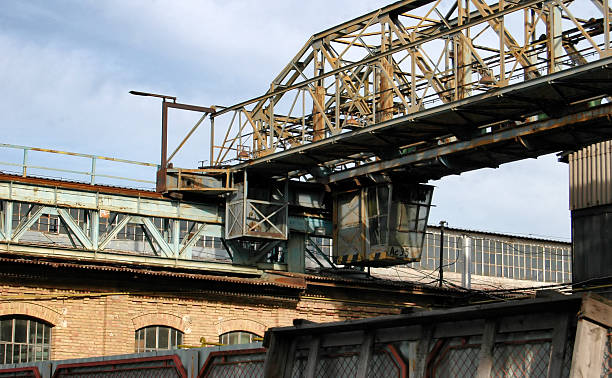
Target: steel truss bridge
[414,91]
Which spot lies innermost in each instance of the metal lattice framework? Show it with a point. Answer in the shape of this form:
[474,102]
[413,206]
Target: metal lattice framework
[407,57]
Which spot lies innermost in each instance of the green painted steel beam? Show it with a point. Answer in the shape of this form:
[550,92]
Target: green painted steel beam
[81,199]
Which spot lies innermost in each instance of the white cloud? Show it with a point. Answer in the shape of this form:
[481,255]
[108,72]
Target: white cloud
[526,197]
[67,98]
[68,90]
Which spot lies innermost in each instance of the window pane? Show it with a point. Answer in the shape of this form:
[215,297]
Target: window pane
[9,354]
[2,354]
[163,338]
[150,337]
[32,333]
[15,354]
[179,338]
[21,330]
[46,334]
[39,332]
[233,338]
[139,341]
[245,338]
[6,334]
[23,353]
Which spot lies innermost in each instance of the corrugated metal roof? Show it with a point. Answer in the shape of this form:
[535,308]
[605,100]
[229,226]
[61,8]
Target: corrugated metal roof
[504,235]
[294,284]
[67,184]
[270,279]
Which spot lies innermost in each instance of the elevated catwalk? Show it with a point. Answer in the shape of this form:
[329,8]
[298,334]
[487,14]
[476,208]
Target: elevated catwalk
[489,129]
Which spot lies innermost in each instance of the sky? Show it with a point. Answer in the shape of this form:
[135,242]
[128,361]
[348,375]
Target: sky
[66,68]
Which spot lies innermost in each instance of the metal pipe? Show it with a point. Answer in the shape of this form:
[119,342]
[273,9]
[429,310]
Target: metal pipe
[441,266]
[164,135]
[212,141]
[466,278]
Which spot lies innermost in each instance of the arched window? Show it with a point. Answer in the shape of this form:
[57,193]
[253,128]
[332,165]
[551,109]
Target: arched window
[24,339]
[158,338]
[238,337]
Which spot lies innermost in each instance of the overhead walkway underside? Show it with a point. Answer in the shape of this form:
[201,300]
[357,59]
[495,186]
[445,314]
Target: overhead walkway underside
[560,111]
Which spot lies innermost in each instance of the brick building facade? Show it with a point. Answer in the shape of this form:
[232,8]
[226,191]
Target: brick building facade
[96,309]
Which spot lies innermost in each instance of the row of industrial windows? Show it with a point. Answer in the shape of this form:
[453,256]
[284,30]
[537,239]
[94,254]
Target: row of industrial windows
[26,339]
[515,259]
[492,256]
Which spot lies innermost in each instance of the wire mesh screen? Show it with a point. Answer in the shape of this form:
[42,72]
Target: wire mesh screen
[567,358]
[606,371]
[158,367]
[338,363]
[29,372]
[521,359]
[244,364]
[384,364]
[299,364]
[343,362]
[457,361]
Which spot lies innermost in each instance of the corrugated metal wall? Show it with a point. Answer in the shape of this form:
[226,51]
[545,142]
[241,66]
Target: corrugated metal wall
[591,176]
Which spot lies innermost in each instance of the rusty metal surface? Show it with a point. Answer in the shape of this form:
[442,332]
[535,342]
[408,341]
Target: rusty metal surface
[515,102]
[491,150]
[279,282]
[6,177]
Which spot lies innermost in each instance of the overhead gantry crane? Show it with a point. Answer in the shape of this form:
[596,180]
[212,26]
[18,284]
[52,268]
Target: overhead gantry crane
[369,110]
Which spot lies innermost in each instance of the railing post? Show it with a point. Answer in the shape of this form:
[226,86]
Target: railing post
[25,162]
[93,170]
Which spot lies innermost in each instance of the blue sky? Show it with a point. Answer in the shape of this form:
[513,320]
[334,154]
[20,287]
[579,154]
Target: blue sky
[66,68]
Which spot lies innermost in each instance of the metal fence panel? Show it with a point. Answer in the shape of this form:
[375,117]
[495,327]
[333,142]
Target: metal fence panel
[521,359]
[338,362]
[457,359]
[387,363]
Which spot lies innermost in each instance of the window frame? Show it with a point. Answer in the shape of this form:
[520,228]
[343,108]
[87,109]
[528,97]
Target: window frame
[224,338]
[140,344]
[35,349]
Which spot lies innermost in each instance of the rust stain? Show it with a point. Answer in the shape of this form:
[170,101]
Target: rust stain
[4,177]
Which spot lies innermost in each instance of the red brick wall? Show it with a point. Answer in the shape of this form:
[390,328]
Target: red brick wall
[105,325]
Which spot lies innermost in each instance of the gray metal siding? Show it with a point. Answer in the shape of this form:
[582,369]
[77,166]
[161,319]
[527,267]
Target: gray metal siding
[591,176]
[592,243]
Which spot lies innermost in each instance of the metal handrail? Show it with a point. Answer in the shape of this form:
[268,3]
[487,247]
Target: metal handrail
[24,166]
